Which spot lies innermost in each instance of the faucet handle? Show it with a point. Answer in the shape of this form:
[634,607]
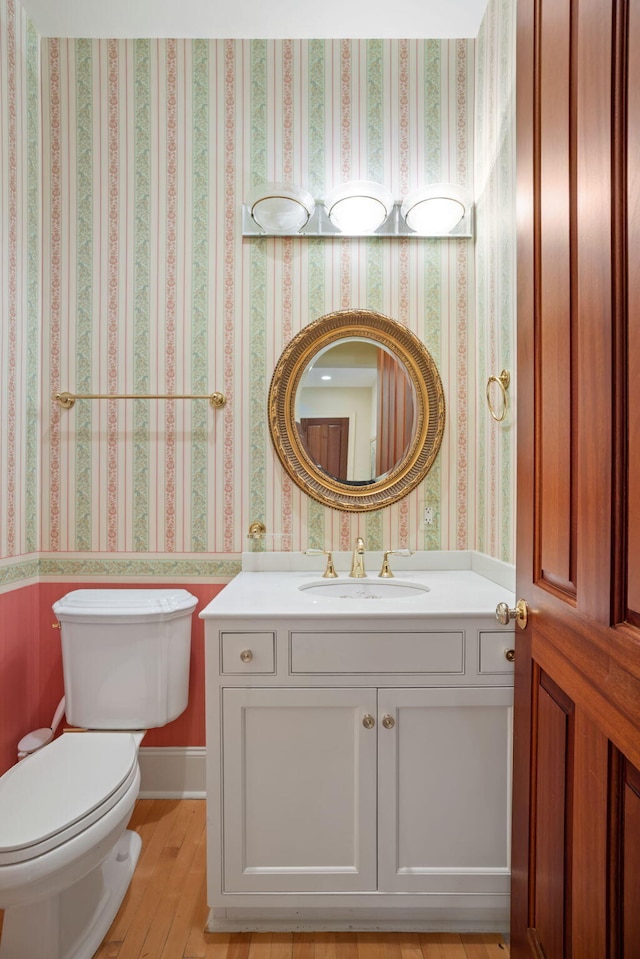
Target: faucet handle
[330,571]
[385,572]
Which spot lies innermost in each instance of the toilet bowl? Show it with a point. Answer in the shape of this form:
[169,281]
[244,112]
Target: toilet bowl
[63,815]
[66,857]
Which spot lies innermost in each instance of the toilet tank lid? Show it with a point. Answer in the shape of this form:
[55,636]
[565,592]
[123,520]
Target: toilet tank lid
[145,604]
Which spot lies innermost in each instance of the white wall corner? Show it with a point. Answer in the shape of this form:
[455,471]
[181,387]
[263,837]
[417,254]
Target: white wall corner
[504,574]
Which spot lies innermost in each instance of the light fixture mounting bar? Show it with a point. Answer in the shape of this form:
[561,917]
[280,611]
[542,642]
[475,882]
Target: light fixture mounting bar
[319,225]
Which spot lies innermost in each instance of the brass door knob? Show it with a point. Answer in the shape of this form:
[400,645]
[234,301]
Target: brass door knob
[521,613]
[388,722]
[246,655]
[368,721]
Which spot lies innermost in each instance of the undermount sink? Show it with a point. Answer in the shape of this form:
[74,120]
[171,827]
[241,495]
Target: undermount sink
[364,589]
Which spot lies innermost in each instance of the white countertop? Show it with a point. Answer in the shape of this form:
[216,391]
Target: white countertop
[276,594]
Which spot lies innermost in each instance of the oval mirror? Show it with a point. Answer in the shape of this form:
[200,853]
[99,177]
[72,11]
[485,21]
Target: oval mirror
[356,410]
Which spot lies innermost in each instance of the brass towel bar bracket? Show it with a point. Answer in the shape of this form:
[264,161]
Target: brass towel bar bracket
[67,400]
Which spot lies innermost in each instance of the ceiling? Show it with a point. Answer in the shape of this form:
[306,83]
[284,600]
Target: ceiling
[293,19]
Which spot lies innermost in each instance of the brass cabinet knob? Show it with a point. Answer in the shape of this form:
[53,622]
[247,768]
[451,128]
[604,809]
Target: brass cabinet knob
[388,722]
[368,721]
[246,655]
[509,655]
[521,613]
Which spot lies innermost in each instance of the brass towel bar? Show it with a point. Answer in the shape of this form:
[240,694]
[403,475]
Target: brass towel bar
[67,400]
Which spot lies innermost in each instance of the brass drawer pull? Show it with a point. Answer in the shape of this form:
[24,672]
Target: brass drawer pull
[388,722]
[509,655]
[246,655]
[368,721]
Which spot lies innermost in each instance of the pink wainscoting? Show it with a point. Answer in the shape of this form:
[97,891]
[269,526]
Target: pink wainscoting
[31,668]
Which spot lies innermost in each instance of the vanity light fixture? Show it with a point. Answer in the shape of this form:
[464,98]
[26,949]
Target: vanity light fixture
[280,208]
[358,208]
[435,210]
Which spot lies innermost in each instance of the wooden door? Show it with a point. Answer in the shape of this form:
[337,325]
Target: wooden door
[576,820]
[299,790]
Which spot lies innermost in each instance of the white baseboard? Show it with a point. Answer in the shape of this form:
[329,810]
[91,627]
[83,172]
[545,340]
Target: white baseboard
[474,918]
[176,772]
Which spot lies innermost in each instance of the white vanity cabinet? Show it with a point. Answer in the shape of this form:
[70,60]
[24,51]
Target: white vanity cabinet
[443,790]
[358,772]
[299,790]
[362,789]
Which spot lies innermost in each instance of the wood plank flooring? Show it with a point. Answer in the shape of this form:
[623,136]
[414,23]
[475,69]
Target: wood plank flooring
[164,912]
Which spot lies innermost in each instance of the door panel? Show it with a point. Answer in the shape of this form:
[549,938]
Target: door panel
[633,328]
[552,822]
[630,855]
[554,370]
[577,672]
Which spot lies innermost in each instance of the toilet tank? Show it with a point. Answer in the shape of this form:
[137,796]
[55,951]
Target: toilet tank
[125,656]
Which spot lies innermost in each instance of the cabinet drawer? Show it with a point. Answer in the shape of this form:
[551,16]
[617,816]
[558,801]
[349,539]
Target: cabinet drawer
[418,652]
[493,647]
[248,653]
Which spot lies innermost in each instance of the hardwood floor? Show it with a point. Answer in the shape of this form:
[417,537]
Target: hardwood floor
[164,912]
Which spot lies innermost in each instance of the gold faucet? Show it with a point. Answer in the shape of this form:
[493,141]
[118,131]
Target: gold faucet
[330,571]
[385,572]
[357,564]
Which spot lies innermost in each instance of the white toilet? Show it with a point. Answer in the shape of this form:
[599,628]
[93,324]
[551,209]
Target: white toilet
[66,858]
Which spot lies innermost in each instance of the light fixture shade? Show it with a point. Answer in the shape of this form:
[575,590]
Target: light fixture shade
[358,207]
[435,210]
[281,208]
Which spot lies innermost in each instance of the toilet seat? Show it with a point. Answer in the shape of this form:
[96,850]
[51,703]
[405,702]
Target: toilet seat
[59,791]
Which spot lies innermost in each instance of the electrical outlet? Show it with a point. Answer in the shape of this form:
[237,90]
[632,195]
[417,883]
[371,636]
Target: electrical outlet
[428,516]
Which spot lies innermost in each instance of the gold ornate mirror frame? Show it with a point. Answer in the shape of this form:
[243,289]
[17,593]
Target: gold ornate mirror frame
[429,417]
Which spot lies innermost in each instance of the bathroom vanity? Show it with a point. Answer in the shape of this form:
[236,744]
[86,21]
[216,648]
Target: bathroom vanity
[359,749]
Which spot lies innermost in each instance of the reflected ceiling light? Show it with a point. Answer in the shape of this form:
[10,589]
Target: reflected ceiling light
[435,210]
[360,206]
[280,208]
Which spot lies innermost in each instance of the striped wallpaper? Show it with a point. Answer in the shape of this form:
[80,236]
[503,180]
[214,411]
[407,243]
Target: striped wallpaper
[19,291]
[148,148]
[495,292]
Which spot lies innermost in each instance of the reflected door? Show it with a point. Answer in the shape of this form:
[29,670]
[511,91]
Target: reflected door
[396,413]
[327,441]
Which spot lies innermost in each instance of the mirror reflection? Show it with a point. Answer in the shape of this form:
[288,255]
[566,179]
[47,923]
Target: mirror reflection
[355,411]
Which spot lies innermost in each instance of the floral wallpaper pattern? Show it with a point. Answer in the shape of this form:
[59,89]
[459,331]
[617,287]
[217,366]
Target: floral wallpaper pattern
[124,166]
[20,163]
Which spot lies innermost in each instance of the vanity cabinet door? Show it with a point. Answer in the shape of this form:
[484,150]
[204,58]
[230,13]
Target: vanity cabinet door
[299,793]
[444,794]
